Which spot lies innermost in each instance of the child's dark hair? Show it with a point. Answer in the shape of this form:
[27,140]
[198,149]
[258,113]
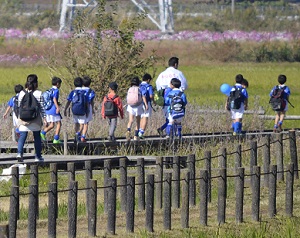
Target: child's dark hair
[173,61]
[147,77]
[18,88]
[78,82]
[86,81]
[135,81]
[32,82]
[245,83]
[56,80]
[176,82]
[281,79]
[239,78]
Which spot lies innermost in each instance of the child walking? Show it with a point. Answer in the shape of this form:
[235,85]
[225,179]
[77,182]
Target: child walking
[12,104]
[176,99]
[237,107]
[282,109]
[86,82]
[53,116]
[111,108]
[79,102]
[135,102]
[147,91]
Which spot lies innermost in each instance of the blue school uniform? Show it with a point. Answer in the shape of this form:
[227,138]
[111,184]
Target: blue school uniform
[52,110]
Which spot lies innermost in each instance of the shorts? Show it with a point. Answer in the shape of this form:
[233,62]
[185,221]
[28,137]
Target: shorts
[53,118]
[147,113]
[136,111]
[80,119]
[175,121]
[237,113]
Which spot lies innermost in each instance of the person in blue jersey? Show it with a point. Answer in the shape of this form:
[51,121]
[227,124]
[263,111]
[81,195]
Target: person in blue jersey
[53,115]
[12,104]
[147,91]
[176,101]
[286,93]
[86,82]
[237,112]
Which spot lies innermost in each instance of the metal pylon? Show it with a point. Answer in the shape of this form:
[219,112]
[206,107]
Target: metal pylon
[165,22]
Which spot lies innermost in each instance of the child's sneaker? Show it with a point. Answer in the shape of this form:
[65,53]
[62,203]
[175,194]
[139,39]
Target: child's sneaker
[56,141]
[43,137]
[40,159]
[19,157]
[279,129]
[83,139]
[127,135]
[141,136]
[136,138]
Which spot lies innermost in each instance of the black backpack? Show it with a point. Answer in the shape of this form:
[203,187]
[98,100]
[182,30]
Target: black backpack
[235,98]
[277,99]
[110,107]
[16,105]
[29,107]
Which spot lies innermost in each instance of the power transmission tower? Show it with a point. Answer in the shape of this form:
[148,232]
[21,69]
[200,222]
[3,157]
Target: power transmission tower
[163,18]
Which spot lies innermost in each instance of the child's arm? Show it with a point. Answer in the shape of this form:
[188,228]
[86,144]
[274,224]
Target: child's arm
[6,111]
[66,107]
[56,105]
[120,107]
[145,102]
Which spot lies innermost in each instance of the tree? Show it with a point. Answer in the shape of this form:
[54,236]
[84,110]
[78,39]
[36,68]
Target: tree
[108,53]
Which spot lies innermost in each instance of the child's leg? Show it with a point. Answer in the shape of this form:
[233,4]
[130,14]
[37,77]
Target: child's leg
[112,126]
[84,130]
[179,129]
[277,117]
[281,118]
[144,121]
[57,130]
[130,121]
[46,129]
[138,124]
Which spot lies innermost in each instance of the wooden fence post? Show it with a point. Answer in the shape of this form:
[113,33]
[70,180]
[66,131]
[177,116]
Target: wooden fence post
[238,157]
[192,169]
[222,187]
[107,176]
[207,156]
[53,172]
[253,158]
[141,183]
[34,180]
[130,204]
[176,182]
[266,159]
[256,193]
[32,210]
[123,183]
[159,182]
[92,207]
[223,158]
[15,182]
[88,177]
[289,190]
[71,170]
[239,193]
[167,201]
[272,191]
[279,156]
[149,202]
[72,208]
[293,152]
[185,202]
[13,211]
[204,179]
[65,143]
[112,206]
[52,209]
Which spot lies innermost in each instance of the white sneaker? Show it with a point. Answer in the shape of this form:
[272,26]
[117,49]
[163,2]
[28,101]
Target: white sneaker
[136,138]
[41,159]
[19,157]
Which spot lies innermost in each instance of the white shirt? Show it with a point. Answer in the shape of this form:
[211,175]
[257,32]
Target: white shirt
[164,78]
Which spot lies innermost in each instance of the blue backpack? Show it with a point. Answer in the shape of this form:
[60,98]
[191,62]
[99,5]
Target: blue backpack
[177,107]
[80,103]
[48,99]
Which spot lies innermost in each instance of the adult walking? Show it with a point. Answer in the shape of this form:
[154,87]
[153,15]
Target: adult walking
[163,82]
[35,124]
[164,78]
